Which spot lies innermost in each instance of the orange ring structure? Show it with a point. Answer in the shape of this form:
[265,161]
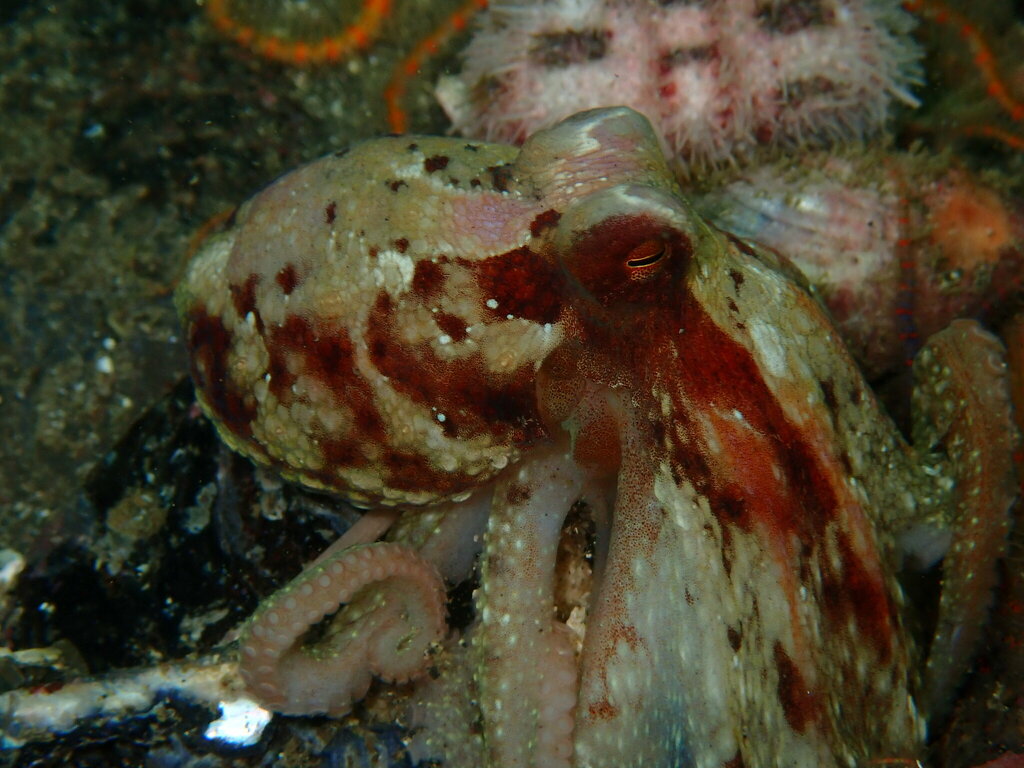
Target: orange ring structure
[326,49]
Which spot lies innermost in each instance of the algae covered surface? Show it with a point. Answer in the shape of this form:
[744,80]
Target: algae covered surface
[125,127]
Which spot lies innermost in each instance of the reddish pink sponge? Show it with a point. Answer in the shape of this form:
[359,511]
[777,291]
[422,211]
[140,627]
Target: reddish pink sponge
[717,78]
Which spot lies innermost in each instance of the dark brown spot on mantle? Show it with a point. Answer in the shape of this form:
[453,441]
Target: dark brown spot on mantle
[435,163]
[209,343]
[427,278]
[544,221]
[799,703]
[288,278]
[735,638]
[453,325]
[501,175]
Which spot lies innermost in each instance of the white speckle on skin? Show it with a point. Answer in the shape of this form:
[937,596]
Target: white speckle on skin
[768,344]
[389,262]
[491,303]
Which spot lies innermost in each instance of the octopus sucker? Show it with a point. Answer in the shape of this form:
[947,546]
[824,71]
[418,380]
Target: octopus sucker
[748,498]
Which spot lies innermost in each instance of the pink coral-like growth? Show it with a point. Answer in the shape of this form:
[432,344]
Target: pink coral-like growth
[718,78]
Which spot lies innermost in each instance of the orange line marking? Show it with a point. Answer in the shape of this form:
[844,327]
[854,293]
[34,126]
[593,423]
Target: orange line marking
[994,132]
[985,62]
[398,121]
[330,48]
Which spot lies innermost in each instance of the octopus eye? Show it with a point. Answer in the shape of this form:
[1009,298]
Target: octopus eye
[647,254]
[628,245]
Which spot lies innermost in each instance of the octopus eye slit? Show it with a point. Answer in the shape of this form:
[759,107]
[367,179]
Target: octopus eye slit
[647,254]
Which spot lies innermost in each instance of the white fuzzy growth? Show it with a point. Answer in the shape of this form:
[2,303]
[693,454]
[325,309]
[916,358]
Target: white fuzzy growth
[716,80]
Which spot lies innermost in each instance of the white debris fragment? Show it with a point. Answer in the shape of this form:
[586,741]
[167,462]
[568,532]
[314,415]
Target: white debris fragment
[241,723]
[39,714]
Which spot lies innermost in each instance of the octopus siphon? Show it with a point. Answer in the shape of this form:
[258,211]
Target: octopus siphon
[685,508]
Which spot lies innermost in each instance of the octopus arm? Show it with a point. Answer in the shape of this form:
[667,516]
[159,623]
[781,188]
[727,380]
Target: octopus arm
[527,665]
[392,605]
[966,418]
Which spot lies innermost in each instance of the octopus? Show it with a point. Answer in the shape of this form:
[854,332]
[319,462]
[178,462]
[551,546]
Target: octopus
[643,436]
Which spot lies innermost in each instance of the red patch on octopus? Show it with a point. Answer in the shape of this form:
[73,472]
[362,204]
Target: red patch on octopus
[427,279]
[326,354]
[854,591]
[801,506]
[243,297]
[544,221]
[209,343]
[435,163]
[453,325]
[599,446]
[523,283]
[287,278]
[469,396]
[340,453]
[413,472]
[799,704]
[729,378]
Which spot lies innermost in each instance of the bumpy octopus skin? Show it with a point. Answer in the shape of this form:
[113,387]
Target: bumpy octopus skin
[484,336]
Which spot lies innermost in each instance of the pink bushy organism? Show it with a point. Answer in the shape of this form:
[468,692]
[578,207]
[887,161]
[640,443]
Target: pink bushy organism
[718,78]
